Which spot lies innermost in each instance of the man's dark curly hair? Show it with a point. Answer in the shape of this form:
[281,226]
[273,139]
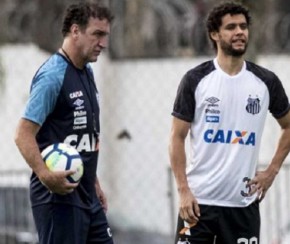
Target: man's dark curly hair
[81,13]
[214,19]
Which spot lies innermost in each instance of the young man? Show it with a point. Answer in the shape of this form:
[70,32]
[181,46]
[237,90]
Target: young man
[223,104]
[63,107]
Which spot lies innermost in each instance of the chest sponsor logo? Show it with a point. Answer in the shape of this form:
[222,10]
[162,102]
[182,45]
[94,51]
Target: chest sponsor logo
[212,119]
[230,137]
[76,94]
[212,111]
[79,127]
[85,142]
[80,120]
[80,113]
[212,107]
[253,105]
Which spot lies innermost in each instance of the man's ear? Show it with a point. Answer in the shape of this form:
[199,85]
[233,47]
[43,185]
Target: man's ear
[214,36]
[75,30]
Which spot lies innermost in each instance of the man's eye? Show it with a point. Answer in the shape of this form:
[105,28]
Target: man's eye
[244,26]
[100,34]
[231,27]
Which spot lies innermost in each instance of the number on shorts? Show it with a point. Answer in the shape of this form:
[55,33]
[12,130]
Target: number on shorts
[253,240]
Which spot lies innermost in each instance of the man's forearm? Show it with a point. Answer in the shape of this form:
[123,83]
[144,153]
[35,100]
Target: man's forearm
[178,163]
[26,143]
[281,152]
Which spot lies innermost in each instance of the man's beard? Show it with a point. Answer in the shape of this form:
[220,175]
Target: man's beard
[229,50]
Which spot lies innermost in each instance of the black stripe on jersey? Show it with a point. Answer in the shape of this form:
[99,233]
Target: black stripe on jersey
[279,104]
[184,105]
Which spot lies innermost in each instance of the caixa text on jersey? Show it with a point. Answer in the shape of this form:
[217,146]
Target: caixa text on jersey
[230,137]
[85,142]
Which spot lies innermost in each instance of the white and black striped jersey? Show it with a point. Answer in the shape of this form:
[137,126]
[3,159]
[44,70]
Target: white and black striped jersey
[227,116]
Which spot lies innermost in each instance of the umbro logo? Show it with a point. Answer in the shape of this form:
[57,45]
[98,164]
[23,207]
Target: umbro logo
[212,100]
[78,102]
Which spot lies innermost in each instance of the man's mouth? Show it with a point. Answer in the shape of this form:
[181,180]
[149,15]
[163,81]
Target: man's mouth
[242,41]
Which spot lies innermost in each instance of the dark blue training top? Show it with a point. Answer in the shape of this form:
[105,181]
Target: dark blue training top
[64,102]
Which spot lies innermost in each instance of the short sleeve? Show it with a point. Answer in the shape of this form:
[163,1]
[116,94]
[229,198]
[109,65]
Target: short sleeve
[184,105]
[279,103]
[44,92]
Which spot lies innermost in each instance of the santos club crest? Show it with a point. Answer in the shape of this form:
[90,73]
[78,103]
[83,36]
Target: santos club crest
[253,106]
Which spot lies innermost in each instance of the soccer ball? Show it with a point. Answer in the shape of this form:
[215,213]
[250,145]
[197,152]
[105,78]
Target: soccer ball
[60,157]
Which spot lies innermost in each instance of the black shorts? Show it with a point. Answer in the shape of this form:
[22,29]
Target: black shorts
[66,224]
[222,225]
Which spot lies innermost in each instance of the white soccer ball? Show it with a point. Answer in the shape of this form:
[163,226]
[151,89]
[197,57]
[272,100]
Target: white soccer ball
[60,157]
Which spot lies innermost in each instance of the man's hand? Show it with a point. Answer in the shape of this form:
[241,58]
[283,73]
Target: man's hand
[261,183]
[188,209]
[102,197]
[56,182]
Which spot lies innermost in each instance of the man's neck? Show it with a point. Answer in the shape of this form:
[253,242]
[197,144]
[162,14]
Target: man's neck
[229,64]
[71,56]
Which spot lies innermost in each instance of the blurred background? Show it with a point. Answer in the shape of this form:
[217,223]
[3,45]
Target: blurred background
[153,43]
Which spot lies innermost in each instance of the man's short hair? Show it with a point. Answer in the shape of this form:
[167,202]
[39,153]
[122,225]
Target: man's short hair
[81,13]
[214,19]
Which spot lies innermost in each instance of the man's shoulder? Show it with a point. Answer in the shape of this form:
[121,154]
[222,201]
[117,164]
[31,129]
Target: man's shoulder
[259,71]
[204,67]
[54,65]
[51,72]
[200,71]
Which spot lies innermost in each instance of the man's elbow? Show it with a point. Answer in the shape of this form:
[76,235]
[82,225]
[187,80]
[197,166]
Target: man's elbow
[17,137]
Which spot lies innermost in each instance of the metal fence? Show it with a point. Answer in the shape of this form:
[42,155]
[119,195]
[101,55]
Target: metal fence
[16,223]
[275,209]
